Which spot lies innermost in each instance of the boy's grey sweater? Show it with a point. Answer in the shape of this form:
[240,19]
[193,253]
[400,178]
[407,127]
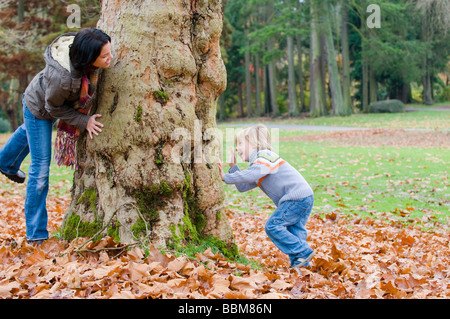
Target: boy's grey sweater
[276,178]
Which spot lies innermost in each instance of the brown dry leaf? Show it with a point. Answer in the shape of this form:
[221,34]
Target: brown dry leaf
[177,264]
[355,258]
[281,285]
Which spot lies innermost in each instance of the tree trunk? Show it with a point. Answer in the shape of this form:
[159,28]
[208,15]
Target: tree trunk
[346,61]
[272,82]
[248,81]
[139,178]
[12,105]
[240,99]
[267,108]
[258,69]
[293,107]
[316,102]
[365,84]
[271,76]
[365,63]
[333,72]
[427,95]
[372,86]
[300,74]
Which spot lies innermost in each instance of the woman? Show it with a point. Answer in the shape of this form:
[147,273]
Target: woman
[62,90]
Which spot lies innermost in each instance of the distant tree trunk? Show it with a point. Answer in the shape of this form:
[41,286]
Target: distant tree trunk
[222,111]
[372,86]
[345,62]
[427,38]
[365,84]
[20,10]
[272,82]
[317,95]
[148,175]
[269,10]
[240,99]
[266,91]
[293,106]
[300,73]
[248,79]
[333,72]
[258,108]
[12,105]
[365,68]
[427,83]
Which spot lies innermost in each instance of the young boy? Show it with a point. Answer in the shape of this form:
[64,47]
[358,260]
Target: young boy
[282,183]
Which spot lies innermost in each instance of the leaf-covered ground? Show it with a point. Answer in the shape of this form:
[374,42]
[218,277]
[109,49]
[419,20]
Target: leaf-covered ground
[368,244]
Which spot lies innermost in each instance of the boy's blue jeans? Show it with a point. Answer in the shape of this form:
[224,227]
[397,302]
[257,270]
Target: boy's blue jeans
[286,227]
[35,137]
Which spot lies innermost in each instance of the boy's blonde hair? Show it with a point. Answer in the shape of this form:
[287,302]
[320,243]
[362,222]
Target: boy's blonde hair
[257,135]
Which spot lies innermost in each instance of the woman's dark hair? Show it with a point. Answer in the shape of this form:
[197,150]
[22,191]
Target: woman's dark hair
[86,48]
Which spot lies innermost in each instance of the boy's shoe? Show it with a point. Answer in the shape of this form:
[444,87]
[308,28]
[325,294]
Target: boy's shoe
[300,262]
[19,177]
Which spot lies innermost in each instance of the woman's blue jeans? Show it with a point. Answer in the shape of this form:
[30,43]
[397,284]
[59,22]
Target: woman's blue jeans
[286,227]
[35,137]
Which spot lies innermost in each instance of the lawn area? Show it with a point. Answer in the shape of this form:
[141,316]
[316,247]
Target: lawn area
[61,178]
[389,182]
[423,119]
[396,182]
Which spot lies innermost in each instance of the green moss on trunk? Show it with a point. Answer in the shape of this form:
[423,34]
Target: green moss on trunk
[89,197]
[187,236]
[74,228]
[149,200]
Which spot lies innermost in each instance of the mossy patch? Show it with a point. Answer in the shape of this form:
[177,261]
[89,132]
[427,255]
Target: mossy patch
[138,116]
[149,200]
[74,228]
[89,197]
[189,241]
[159,158]
[187,236]
[161,97]
[191,207]
[113,230]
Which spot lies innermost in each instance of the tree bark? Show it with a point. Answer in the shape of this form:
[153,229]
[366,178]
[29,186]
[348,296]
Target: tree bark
[293,106]
[337,100]
[300,74]
[372,86]
[258,104]
[272,82]
[150,174]
[317,95]
[346,61]
[271,75]
[248,81]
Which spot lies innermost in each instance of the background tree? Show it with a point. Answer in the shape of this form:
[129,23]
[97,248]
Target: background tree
[268,47]
[150,174]
[26,29]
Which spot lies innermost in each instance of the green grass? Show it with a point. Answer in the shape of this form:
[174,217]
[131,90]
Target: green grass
[368,180]
[401,183]
[418,120]
[60,180]
[406,184]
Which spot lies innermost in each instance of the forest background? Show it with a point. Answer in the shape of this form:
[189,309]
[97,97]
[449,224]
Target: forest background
[287,58]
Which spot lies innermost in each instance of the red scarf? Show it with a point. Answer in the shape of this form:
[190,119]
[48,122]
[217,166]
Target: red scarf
[67,135]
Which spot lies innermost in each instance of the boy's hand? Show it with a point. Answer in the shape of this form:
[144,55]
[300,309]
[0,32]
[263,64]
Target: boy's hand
[232,157]
[222,174]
